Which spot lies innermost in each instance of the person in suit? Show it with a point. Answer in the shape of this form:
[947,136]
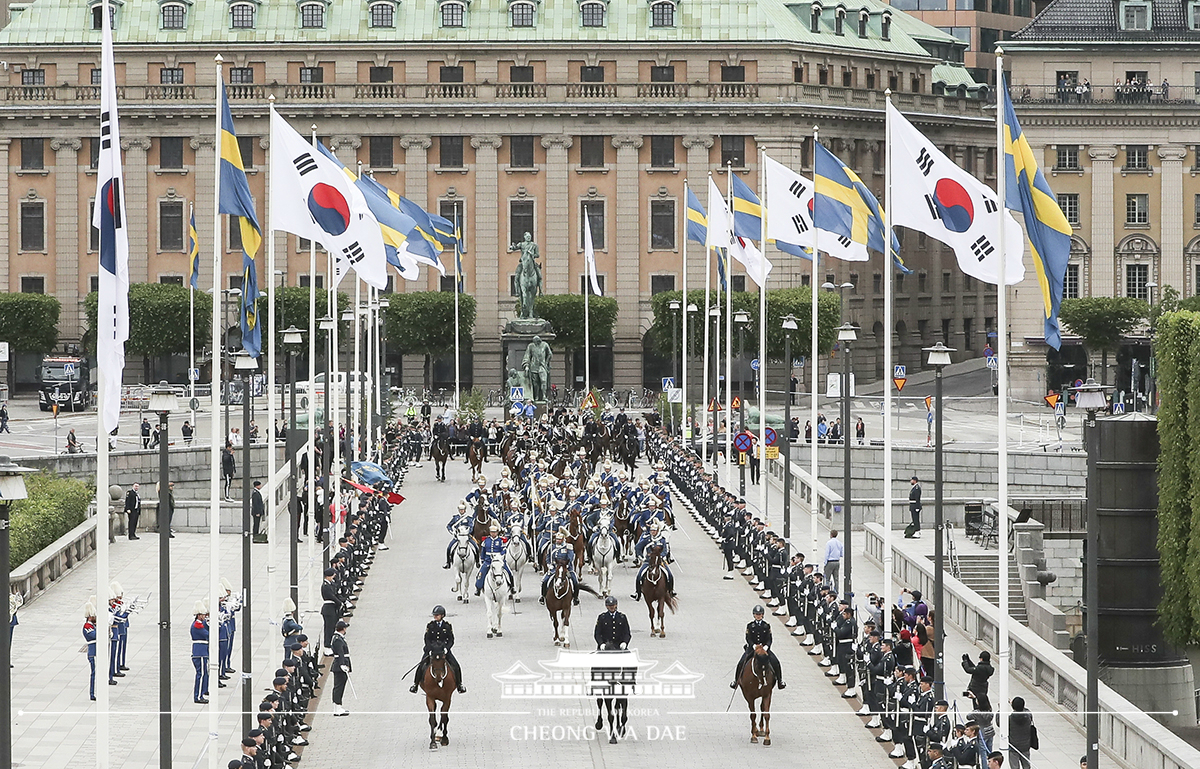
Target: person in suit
[133,509]
[228,467]
[257,508]
[612,627]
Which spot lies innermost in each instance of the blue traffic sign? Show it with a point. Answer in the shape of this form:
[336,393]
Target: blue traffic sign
[668,383]
[901,372]
[516,393]
[754,364]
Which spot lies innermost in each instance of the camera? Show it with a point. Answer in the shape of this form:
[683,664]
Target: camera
[968,695]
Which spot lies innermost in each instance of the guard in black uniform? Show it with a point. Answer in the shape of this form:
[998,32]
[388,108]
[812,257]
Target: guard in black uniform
[439,634]
[612,628]
[758,632]
[331,607]
[341,667]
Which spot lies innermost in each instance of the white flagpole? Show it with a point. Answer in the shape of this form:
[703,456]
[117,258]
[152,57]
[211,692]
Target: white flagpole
[813,361]
[683,305]
[273,604]
[729,334]
[457,280]
[377,378]
[1002,413]
[762,343]
[704,435]
[192,320]
[312,425]
[214,511]
[334,484]
[355,392]
[587,310]
[888,361]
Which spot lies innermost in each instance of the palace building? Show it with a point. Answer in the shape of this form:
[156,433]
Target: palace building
[515,115]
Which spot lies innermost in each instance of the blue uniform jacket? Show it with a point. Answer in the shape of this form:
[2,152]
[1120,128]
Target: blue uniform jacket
[89,635]
[200,637]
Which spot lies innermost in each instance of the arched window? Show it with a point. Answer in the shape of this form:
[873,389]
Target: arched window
[593,13]
[241,16]
[312,15]
[454,14]
[173,15]
[98,19]
[383,15]
[662,14]
[521,14]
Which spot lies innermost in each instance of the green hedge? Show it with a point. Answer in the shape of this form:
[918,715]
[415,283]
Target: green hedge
[55,506]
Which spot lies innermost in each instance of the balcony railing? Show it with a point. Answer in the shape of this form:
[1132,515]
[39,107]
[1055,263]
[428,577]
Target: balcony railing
[171,92]
[1170,95]
[450,90]
[733,90]
[33,93]
[520,90]
[310,92]
[591,90]
[242,92]
[662,90]
[379,91]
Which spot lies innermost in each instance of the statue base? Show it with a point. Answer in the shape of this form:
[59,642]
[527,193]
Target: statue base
[516,337]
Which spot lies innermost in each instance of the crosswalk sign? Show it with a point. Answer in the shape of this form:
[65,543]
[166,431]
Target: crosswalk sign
[668,382]
[736,404]
[69,369]
[993,363]
[1118,408]
[1060,409]
[901,372]
[516,393]
[589,402]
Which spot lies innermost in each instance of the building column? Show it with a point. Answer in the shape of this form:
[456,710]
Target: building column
[627,340]
[558,209]
[1171,264]
[9,248]
[416,167]
[488,365]
[137,207]
[1102,272]
[66,234]
[346,149]
[205,204]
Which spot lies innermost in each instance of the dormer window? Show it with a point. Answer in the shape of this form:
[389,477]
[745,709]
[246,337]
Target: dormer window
[173,15]
[382,15]
[312,15]
[593,13]
[241,15]
[454,13]
[815,18]
[1193,16]
[864,18]
[839,20]
[521,13]
[98,20]
[1135,16]
[662,13]
[885,25]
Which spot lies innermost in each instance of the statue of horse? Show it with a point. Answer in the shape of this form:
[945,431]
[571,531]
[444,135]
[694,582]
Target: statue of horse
[655,591]
[757,682]
[438,684]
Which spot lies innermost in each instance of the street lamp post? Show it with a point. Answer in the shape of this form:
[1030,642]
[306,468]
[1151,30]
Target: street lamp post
[245,365]
[1090,397]
[846,336]
[326,324]
[789,325]
[715,314]
[939,358]
[12,489]
[692,309]
[163,402]
[352,384]
[231,294]
[292,339]
[674,306]
[742,319]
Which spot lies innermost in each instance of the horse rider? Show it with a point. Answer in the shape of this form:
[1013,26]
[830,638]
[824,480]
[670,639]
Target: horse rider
[480,492]
[651,539]
[493,547]
[612,627]
[460,520]
[561,553]
[758,632]
[605,519]
[439,634]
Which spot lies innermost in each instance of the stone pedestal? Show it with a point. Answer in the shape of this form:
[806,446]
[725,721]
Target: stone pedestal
[516,337]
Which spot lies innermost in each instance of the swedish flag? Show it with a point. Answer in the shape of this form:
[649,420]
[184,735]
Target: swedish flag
[843,206]
[722,258]
[1026,191]
[697,219]
[193,252]
[237,202]
[747,211]
[444,230]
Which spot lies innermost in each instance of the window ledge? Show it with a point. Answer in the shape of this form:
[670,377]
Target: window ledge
[33,172]
[743,170]
[250,171]
[1129,226]
[387,170]
[592,170]
[1137,171]
[662,170]
[521,169]
[179,171]
[449,170]
[671,250]
[92,172]
[43,251]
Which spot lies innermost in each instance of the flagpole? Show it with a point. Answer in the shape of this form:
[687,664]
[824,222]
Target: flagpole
[214,511]
[762,342]
[312,424]
[728,333]
[587,312]
[354,394]
[888,362]
[704,435]
[683,411]
[1002,410]
[192,318]
[334,483]
[272,505]
[457,279]
[813,358]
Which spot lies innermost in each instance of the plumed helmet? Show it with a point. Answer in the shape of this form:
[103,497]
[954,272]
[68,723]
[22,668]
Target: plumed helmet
[505,483]
[89,611]
[439,610]
[655,525]
[199,608]
[494,527]
[505,472]
[607,464]
[462,504]
[228,588]
[482,481]
[289,605]
[560,535]
[114,590]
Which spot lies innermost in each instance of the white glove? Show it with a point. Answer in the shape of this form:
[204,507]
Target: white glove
[624,646]
[345,668]
[766,648]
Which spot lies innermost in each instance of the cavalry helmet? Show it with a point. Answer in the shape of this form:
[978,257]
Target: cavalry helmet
[610,601]
[759,610]
[439,610]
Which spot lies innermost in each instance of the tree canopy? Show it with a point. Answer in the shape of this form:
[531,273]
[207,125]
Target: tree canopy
[422,322]
[29,322]
[158,319]
[565,313]
[1102,322]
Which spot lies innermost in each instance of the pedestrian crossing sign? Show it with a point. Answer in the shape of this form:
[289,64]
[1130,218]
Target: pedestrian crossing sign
[668,382]
[1118,408]
[589,402]
[1060,409]
[901,372]
[516,393]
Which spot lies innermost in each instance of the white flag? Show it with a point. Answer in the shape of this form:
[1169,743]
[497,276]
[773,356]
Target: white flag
[790,217]
[720,223]
[589,254]
[312,198]
[931,194]
[109,217]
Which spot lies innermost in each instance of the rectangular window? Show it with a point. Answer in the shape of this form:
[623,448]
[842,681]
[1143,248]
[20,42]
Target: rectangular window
[968,337]
[662,225]
[922,282]
[947,284]
[170,152]
[383,15]
[662,14]
[312,16]
[450,75]
[1067,159]
[33,284]
[1137,157]
[33,226]
[241,75]
[172,16]
[591,151]
[1137,209]
[1196,211]
[446,282]
[380,74]
[946,332]
[595,216]
[1000,6]
[311,75]
[93,231]
[662,151]
[661,283]
[455,211]
[1136,16]
[241,16]
[898,280]
[453,14]
[33,77]
[585,285]
[876,283]
[93,283]
[521,220]
[33,154]
[968,283]
[97,76]
[592,13]
[737,284]
[521,14]
[805,280]
[235,281]
[305,281]
[522,74]
[171,280]
[381,151]
[170,225]
[1069,203]
[662,74]
[520,151]
[733,151]
[591,74]
[1071,282]
[170,76]
[1136,278]
[733,74]
[450,151]
[234,236]
[246,148]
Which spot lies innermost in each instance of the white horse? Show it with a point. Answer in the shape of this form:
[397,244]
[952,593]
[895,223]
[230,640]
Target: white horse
[495,591]
[604,555]
[463,563]
[516,556]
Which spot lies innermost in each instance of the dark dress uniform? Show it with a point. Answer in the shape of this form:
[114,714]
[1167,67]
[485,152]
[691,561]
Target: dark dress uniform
[758,632]
[439,634]
[612,631]
[341,666]
[331,604]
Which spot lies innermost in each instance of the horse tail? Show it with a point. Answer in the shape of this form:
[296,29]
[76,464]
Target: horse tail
[586,588]
[672,602]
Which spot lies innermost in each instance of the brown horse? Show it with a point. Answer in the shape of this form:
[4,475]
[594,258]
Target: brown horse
[481,523]
[656,591]
[438,684]
[577,537]
[475,459]
[757,682]
[558,602]
[439,452]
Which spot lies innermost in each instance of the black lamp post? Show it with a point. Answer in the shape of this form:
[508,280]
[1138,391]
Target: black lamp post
[323,520]
[163,402]
[846,336]
[245,365]
[12,489]
[939,358]
[789,325]
[692,310]
[742,319]
[227,347]
[675,306]
[292,339]
[714,313]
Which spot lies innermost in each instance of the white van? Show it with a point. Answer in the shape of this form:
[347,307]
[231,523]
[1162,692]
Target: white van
[302,388]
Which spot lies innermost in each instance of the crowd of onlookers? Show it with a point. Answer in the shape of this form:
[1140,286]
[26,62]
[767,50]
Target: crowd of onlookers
[1130,90]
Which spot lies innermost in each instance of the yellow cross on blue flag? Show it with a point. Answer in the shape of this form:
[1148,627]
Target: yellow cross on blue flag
[193,252]
[845,208]
[1026,191]
[697,220]
[238,203]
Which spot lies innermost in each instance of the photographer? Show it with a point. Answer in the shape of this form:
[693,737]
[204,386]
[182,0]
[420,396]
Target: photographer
[980,673]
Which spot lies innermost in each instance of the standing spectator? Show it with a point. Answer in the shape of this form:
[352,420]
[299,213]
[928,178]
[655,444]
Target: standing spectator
[1166,96]
[133,508]
[257,508]
[831,560]
[187,431]
[155,437]
[808,432]
[228,468]
[794,430]
[165,521]
[914,508]
[235,437]
[860,431]
[980,673]
[822,429]
[145,433]
[253,432]
[1020,735]
[4,419]
[835,432]
[755,465]
[793,385]
[927,636]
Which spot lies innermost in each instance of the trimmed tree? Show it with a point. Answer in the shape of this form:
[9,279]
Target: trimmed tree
[422,323]
[1102,322]
[158,322]
[29,323]
[565,313]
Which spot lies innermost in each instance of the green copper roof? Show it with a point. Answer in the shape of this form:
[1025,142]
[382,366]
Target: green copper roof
[68,22]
